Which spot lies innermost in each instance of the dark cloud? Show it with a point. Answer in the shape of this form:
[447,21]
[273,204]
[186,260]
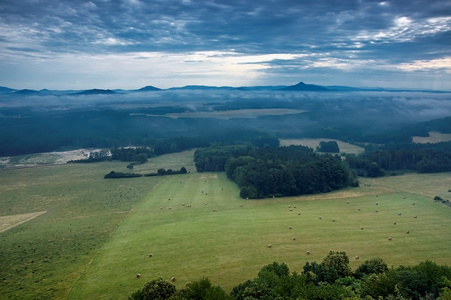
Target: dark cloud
[388,32]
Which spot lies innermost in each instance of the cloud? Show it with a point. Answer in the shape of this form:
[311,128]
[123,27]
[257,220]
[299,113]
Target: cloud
[262,38]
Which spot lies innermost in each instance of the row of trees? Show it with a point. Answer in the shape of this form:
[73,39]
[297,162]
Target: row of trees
[422,160]
[276,171]
[330,279]
[160,172]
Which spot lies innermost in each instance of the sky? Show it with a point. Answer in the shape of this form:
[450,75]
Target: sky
[129,44]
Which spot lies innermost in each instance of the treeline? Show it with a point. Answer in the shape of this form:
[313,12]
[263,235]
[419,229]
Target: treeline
[331,279]
[421,159]
[276,171]
[160,172]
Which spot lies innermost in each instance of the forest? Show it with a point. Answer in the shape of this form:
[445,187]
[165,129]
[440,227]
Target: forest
[330,279]
[276,171]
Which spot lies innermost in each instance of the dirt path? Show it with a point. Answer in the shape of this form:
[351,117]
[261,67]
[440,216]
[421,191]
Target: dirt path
[8,222]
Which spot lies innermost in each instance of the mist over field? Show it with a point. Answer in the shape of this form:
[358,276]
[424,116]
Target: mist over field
[136,118]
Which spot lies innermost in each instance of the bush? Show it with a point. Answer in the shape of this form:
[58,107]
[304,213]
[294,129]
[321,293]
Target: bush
[157,289]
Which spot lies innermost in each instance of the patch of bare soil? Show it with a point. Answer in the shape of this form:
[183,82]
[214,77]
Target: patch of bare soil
[8,222]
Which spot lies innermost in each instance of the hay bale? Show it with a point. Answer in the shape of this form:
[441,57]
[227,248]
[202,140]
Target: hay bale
[413,203]
[169,199]
[356,257]
[320,218]
[394,223]
[389,238]
[308,252]
[348,202]
[161,207]
[150,255]
[289,206]
[294,206]
[189,205]
[241,205]
[183,204]
[377,203]
[138,275]
[269,245]
[415,217]
[399,214]
[361,228]
[173,279]
[407,231]
[333,220]
[169,207]
[377,211]
[206,203]
[291,209]
[293,238]
[290,227]
[299,214]
[359,209]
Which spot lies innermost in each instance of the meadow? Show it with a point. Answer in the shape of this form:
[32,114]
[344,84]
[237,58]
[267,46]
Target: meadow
[97,235]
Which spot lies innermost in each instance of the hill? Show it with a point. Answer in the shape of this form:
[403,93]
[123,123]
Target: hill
[304,87]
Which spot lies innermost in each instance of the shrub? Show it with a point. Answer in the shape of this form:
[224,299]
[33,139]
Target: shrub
[157,289]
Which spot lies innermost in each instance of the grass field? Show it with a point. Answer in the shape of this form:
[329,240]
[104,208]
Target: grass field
[98,234]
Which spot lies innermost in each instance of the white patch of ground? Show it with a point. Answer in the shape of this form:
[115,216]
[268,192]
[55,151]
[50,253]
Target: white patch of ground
[32,160]
[434,137]
[8,222]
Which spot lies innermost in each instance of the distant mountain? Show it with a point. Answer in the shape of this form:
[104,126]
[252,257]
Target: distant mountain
[304,87]
[95,92]
[6,90]
[148,88]
[26,92]
[202,87]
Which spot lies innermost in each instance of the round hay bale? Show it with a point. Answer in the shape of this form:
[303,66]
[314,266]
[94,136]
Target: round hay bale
[308,252]
[407,231]
[241,205]
[359,209]
[150,255]
[415,217]
[183,204]
[169,199]
[206,203]
[333,220]
[291,209]
[413,203]
[138,275]
[189,205]
[294,206]
[173,279]
[389,238]
[361,228]
[290,227]
[161,207]
[299,214]
[399,214]
[377,211]
[377,203]
[293,238]
[269,245]
[356,257]
[169,207]
[348,202]
[320,218]
[289,206]
[394,223]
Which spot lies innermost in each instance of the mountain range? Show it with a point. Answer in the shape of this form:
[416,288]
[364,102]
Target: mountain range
[301,86]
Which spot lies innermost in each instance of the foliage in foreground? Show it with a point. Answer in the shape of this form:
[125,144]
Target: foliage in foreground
[330,279]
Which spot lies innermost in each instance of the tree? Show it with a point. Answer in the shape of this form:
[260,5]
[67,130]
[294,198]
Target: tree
[331,147]
[157,289]
[372,266]
[338,260]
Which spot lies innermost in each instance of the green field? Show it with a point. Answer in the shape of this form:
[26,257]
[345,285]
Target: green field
[97,234]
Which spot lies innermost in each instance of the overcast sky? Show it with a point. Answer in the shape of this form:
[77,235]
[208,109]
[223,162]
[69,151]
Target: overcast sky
[75,44]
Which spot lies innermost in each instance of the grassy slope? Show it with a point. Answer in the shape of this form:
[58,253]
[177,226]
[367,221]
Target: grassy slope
[45,257]
[230,245]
